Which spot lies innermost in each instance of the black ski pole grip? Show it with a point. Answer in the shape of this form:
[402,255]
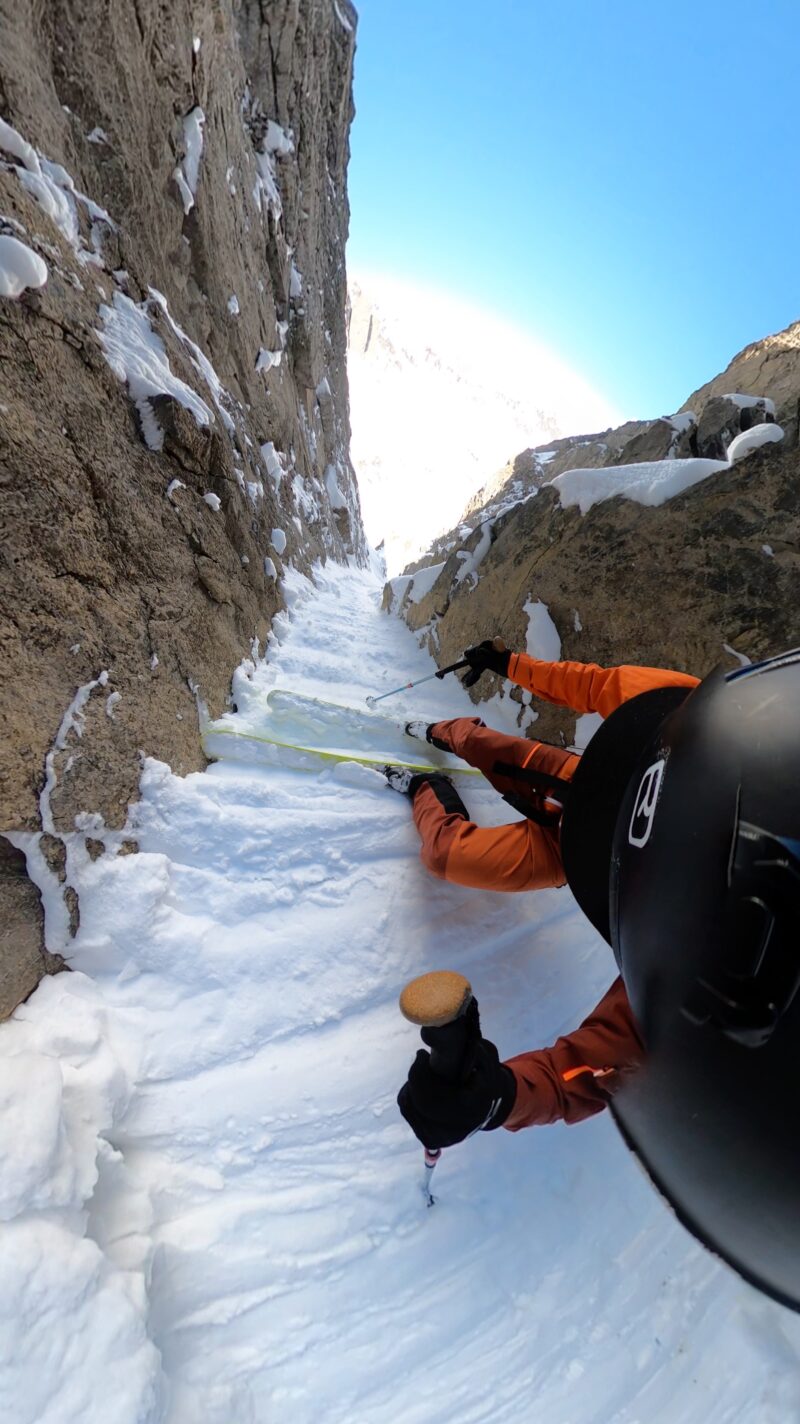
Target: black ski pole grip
[453,667]
[450,1049]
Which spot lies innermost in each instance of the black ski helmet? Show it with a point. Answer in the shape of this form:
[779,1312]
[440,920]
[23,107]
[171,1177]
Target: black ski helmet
[703,913]
[705,925]
[596,793]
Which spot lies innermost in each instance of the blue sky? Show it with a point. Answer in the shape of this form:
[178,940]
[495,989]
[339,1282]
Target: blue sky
[620,179]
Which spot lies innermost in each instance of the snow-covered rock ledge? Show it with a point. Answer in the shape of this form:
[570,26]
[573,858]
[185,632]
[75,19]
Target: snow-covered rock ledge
[655,481]
[693,565]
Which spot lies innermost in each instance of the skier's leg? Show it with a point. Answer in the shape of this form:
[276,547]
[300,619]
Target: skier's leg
[521,856]
[486,749]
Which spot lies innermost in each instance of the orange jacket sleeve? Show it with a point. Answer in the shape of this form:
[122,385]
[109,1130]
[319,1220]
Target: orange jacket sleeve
[574,1079]
[586,687]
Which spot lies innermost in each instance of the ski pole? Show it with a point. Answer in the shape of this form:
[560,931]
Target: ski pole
[438,1002]
[442,672]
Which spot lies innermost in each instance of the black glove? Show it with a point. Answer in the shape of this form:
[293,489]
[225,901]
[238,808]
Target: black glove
[440,1112]
[484,657]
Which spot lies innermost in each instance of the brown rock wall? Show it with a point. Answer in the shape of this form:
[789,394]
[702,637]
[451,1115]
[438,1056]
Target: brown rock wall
[111,573]
[664,587]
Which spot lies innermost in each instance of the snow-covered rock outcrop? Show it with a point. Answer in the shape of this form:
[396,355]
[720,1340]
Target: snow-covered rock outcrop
[669,542]
[149,452]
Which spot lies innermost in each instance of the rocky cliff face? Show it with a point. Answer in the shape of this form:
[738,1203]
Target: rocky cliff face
[173,400]
[711,575]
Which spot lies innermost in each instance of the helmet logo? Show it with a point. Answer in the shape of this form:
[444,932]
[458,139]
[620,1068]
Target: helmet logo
[645,807]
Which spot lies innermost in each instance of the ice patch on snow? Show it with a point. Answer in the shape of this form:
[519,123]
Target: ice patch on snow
[267,359]
[335,496]
[278,140]
[13,143]
[72,724]
[471,562]
[278,541]
[137,356]
[54,190]
[187,172]
[266,194]
[20,267]
[752,439]
[304,498]
[201,363]
[542,638]
[274,462]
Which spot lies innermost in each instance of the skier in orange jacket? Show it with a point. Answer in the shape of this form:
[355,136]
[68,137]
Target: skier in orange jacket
[574,1078]
[523,855]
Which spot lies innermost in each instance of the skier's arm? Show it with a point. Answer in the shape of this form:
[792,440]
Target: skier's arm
[586,687]
[574,1079]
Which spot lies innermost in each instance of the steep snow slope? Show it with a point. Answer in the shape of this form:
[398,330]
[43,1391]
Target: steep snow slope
[212,1204]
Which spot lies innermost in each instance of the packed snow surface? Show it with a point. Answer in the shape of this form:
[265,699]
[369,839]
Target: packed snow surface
[422,582]
[20,268]
[542,638]
[53,188]
[655,481]
[652,482]
[212,1205]
[765,434]
[746,402]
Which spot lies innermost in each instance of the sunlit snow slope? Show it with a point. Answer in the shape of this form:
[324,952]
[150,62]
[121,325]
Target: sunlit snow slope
[212,1205]
[442,394]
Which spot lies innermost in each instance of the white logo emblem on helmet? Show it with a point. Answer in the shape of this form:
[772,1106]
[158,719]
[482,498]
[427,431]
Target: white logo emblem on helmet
[645,807]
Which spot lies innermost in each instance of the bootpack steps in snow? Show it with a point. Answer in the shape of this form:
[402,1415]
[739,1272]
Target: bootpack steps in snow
[306,733]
